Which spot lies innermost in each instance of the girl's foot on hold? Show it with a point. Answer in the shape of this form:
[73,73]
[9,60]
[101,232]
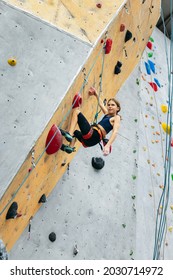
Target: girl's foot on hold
[67,135]
[68,149]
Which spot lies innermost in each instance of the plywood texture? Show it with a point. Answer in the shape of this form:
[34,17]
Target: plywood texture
[82,19]
[54,75]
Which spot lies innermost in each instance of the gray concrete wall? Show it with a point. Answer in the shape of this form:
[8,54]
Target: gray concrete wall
[111,213]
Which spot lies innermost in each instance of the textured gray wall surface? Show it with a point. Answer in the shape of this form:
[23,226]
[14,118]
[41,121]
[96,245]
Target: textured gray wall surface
[111,213]
[48,60]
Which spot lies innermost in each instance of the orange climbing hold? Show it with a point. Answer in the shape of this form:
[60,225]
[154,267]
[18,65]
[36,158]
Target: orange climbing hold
[108,46]
[54,140]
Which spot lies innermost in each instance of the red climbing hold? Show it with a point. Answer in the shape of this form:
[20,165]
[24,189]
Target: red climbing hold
[108,46]
[77,101]
[99,5]
[54,140]
[172,142]
[154,86]
[149,45]
[122,27]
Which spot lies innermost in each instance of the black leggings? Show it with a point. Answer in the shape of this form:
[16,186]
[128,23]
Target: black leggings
[85,128]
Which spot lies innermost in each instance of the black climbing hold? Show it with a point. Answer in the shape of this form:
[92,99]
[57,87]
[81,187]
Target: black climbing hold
[128,35]
[3,252]
[119,64]
[52,236]
[75,250]
[117,68]
[42,199]
[97,163]
[12,211]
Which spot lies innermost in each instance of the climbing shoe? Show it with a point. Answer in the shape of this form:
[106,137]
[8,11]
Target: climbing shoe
[68,149]
[67,135]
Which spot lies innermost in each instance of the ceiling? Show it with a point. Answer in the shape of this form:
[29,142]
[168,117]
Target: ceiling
[167,9]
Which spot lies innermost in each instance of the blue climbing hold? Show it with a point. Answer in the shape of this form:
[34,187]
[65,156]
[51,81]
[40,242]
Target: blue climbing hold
[152,66]
[147,68]
[157,82]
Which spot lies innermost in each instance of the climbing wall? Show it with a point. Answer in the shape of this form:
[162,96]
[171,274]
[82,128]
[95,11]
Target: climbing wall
[111,213]
[47,66]
[83,19]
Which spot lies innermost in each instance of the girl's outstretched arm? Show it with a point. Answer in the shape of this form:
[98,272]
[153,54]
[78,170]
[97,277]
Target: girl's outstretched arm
[92,91]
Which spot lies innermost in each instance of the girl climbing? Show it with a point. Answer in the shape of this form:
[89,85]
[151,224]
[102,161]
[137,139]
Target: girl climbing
[90,135]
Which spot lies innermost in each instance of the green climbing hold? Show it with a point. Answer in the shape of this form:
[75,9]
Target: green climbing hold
[133,177]
[123,225]
[134,151]
[151,39]
[150,54]
[137,81]
[172,176]
[133,196]
[135,120]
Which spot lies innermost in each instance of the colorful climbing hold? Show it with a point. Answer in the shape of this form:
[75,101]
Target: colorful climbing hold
[122,27]
[99,5]
[152,66]
[108,46]
[12,61]
[170,228]
[154,86]
[157,82]
[54,140]
[149,45]
[150,54]
[151,39]
[172,142]
[164,108]
[77,101]
[147,68]
[166,128]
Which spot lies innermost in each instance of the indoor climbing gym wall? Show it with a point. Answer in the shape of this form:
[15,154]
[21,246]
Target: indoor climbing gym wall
[111,213]
[44,74]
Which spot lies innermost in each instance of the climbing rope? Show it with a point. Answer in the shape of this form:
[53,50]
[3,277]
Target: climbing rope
[161,221]
[100,88]
[63,120]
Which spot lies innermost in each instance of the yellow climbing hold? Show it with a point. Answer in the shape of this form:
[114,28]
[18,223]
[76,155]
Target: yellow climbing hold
[170,228]
[166,128]
[12,61]
[164,108]
[171,207]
